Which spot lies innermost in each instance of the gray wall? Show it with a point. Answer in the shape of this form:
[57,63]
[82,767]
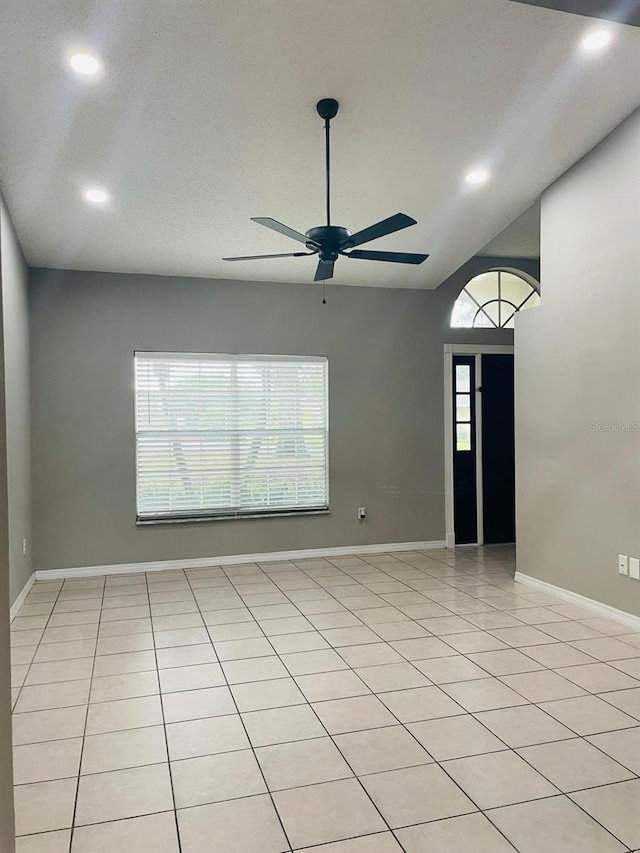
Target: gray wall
[14,274]
[7,844]
[578,366]
[385,350]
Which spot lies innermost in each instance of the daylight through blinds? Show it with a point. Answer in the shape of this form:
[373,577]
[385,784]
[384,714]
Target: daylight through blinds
[230,434]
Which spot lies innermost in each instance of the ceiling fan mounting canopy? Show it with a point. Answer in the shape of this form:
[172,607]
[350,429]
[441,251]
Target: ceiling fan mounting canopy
[327,108]
[330,241]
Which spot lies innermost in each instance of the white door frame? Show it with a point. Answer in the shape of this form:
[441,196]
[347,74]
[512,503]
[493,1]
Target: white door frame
[476,350]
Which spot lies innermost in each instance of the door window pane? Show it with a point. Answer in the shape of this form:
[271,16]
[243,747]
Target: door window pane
[463,436]
[463,407]
[463,377]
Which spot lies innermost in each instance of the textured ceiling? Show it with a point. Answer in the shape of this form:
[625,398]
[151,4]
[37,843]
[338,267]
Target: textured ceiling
[205,117]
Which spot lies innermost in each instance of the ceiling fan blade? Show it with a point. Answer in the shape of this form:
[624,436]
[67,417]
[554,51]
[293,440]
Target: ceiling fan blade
[380,229]
[391,257]
[261,257]
[324,270]
[268,222]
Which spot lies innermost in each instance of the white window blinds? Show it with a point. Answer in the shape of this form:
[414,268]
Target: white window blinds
[223,435]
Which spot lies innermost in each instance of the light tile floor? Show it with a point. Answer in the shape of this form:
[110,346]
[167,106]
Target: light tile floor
[416,701]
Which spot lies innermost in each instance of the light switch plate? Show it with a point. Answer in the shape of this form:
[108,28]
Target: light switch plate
[634,568]
[623,564]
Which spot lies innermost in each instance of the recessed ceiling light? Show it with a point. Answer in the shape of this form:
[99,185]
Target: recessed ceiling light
[477,176]
[96,196]
[84,63]
[596,40]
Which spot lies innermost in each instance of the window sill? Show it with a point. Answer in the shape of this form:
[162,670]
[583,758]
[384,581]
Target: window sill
[197,519]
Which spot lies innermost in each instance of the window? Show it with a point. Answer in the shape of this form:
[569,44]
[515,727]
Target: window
[490,300]
[463,406]
[230,435]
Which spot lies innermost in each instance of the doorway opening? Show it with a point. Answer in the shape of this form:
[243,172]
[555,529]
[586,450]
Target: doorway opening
[479,445]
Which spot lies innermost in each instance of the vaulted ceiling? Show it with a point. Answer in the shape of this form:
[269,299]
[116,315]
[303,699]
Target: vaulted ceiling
[204,115]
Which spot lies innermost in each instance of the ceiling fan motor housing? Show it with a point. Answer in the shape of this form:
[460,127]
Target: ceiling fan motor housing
[332,239]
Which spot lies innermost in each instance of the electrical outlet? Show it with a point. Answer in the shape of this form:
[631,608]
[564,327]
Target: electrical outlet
[362,513]
[623,564]
[24,547]
[634,568]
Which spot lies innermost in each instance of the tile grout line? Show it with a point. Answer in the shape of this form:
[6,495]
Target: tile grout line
[38,644]
[233,699]
[84,730]
[486,677]
[77,776]
[235,704]
[164,722]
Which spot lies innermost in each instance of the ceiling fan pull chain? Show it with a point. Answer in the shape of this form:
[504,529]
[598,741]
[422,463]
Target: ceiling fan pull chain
[324,301]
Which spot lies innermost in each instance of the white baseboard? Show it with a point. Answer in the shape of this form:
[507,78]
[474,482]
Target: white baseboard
[17,604]
[233,559]
[598,607]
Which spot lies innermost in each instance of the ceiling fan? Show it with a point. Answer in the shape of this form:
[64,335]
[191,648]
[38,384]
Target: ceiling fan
[329,241]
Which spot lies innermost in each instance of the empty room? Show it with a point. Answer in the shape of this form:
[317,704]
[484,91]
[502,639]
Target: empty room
[298,555]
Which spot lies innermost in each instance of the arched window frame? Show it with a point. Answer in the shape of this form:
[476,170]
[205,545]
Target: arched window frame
[528,279]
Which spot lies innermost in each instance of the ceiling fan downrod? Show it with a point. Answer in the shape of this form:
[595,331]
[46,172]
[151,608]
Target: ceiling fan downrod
[327,109]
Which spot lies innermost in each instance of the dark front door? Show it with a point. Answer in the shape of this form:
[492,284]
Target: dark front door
[464,450]
[498,449]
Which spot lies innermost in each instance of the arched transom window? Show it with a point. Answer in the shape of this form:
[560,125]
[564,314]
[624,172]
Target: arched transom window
[491,299]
